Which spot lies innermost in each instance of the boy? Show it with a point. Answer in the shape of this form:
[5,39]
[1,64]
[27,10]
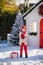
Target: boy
[23,41]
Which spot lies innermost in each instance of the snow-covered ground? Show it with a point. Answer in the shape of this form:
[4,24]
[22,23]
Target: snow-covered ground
[35,56]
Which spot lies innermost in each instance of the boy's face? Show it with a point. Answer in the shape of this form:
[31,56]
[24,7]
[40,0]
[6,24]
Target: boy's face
[23,30]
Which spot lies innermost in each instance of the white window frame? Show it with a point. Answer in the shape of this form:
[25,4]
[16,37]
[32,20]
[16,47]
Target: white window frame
[33,26]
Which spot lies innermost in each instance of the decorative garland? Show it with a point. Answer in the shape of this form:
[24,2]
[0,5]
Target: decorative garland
[33,33]
[41,10]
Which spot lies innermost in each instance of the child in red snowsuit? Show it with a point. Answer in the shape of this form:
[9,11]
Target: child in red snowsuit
[23,41]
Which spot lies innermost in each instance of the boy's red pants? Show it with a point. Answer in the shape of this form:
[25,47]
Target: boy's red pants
[25,49]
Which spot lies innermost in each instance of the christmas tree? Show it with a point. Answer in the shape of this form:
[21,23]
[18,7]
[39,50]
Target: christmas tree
[16,29]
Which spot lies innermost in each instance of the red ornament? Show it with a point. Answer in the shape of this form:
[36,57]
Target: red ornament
[22,36]
[41,9]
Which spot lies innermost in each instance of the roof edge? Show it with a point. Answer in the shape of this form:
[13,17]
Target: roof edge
[33,7]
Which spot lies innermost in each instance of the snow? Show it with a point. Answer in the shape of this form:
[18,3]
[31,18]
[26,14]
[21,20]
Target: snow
[35,56]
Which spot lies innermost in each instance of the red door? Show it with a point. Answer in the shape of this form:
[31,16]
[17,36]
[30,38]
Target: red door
[41,33]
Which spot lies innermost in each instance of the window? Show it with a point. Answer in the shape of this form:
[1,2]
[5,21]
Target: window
[33,28]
